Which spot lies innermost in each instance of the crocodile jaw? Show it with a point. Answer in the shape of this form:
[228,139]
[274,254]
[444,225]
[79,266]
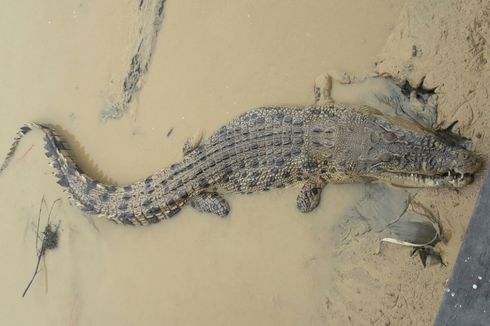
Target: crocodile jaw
[414,180]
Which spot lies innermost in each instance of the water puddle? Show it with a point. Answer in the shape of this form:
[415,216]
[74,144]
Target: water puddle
[264,264]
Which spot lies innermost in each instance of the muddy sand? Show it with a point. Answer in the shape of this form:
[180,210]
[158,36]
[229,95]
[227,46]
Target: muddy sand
[267,264]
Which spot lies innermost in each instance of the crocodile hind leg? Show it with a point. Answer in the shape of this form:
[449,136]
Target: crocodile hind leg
[210,202]
[309,196]
[207,202]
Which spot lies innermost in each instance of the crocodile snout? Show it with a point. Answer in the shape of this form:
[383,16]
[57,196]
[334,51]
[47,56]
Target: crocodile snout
[466,162]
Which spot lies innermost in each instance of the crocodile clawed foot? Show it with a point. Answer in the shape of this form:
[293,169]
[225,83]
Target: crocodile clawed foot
[309,196]
[322,89]
[422,105]
[409,100]
[210,202]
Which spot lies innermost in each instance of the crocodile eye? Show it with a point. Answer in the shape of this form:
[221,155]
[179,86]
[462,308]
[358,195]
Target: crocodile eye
[389,136]
[463,156]
[385,157]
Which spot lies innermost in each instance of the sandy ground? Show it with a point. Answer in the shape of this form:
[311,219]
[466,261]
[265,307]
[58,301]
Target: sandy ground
[447,52]
[267,264]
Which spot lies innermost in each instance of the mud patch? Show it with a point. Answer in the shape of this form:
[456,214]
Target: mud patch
[150,17]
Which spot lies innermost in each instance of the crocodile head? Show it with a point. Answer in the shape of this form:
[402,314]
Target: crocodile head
[371,146]
[403,154]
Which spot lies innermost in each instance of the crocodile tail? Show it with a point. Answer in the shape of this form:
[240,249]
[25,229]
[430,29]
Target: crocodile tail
[121,204]
[85,192]
[21,133]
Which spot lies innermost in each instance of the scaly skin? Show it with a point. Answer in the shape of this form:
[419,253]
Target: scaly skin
[271,148]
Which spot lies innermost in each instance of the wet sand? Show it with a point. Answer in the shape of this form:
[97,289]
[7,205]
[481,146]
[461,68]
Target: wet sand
[267,263]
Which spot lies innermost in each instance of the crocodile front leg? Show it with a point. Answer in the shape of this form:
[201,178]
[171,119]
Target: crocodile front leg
[192,143]
[382,92]
[309,195]
[210,202]
[322,88]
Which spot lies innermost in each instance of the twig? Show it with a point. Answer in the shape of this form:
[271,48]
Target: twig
[49,239]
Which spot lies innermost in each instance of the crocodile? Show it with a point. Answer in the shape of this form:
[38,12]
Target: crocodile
[270,147]
[266,148]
